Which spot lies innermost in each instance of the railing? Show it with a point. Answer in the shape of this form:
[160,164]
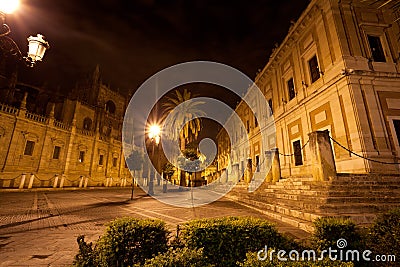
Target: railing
[84,132]
[61,125]
[8,109]
[35,117]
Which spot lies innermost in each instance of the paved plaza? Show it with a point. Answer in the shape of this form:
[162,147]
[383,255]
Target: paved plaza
[40,227]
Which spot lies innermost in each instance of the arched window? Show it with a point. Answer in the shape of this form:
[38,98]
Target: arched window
[87,124]
[110,107]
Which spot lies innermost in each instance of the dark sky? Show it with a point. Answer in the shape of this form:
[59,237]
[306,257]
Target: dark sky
[132,40]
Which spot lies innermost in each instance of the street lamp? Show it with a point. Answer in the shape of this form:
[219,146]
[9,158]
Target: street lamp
[154,136]
[37,45]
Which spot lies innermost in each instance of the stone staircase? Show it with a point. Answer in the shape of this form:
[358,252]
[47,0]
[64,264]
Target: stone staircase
[298,201]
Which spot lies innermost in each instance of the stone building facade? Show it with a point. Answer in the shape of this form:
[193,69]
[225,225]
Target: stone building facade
[76,141]
[338,69]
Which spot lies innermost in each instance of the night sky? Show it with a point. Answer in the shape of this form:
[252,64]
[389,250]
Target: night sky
[132,40]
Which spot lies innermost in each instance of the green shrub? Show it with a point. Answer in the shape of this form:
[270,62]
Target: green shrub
[384,234]
[253,261]
[226,240]
[329,230]
[86,256]
[127,241]
[180,257]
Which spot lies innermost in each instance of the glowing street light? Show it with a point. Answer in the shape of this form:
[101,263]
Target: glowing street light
[154,133]
[37,45]
[8,6]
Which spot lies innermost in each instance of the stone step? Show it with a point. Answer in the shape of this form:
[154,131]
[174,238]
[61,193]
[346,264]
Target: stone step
[308,204]
[366,200]
[334,193]
[316,203]
[302,221]
[356,208]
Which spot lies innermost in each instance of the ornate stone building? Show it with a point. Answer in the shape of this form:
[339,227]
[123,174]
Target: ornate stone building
[338,69]
[51,140]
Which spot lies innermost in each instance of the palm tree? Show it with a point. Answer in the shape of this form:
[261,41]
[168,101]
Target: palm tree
[185,112]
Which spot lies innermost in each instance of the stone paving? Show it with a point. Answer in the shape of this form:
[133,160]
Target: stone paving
[39,228]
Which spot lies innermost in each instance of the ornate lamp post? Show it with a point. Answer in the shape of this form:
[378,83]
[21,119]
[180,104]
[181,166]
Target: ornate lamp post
[154,136]
[37,45]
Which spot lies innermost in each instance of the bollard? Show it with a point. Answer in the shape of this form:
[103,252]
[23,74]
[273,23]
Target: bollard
[55,181]
[86,182]
[22,183]
[31,181]
[321,154]
[62,181]
[275,165]
[81,181]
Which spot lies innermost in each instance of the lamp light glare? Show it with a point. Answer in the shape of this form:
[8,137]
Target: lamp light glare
[154,131]
[8,6]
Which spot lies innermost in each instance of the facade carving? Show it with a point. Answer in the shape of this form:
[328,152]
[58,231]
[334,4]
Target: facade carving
[338,69]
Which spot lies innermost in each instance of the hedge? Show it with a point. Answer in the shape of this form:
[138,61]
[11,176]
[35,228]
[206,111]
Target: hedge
[329,230]
[253,261]
[227,240]
[126,241]
[179,257]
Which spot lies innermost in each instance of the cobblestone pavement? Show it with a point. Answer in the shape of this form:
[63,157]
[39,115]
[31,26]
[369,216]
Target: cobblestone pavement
[39,228]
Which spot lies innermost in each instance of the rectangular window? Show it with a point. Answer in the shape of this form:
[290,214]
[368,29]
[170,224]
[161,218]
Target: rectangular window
[397,129]
[101,159]
[376,48]
[255,120]
[290,85]
[81,156]
[271,110]
[56,152]
[298,158]
[115,162]
[314,69]
[29,146]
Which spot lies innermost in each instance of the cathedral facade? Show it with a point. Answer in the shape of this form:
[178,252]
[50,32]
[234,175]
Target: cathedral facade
[63,141]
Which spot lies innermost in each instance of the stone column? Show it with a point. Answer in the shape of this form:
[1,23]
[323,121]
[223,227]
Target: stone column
[62,181]
[31,181]
[55,181]
[275,165]
[80,181]
[22,183]
[274,173]
[322,160]
[269,158]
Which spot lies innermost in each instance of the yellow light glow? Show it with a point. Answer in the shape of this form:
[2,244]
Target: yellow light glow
[154,131]
[8,6]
